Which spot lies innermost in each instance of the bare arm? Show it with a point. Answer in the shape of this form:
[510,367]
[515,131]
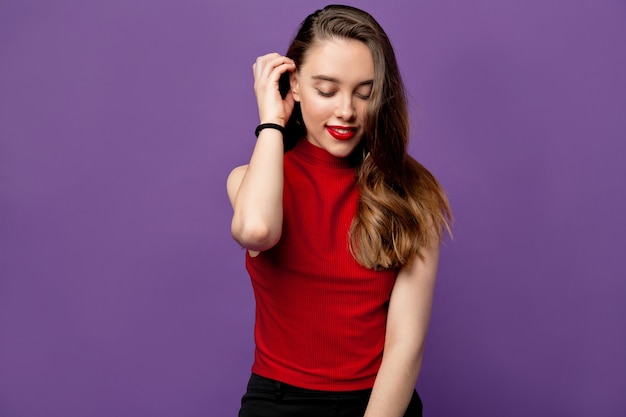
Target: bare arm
[256,190]
[407,325]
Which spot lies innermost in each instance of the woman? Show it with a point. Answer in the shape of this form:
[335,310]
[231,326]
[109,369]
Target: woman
[342,227]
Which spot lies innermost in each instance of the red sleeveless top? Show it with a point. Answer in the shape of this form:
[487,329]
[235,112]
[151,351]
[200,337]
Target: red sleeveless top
[320,316]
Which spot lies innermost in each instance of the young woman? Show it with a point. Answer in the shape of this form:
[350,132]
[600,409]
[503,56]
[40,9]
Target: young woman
[342,228]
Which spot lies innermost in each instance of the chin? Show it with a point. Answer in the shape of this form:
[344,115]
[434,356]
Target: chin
[337,148]
[341,150]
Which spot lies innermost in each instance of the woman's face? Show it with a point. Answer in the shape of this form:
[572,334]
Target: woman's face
[333,87]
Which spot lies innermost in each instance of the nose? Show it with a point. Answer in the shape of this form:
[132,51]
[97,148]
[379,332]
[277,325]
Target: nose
[345,107]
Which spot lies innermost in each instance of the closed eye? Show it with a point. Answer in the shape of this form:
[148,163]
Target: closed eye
[332,93]
[325,94]
[364,92]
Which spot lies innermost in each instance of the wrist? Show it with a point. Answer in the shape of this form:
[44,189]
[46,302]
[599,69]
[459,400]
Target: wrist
[279,122]
[274,126]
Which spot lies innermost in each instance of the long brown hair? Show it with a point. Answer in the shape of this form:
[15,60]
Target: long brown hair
[402,207]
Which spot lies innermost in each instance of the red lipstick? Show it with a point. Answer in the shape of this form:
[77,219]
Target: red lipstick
[341,132]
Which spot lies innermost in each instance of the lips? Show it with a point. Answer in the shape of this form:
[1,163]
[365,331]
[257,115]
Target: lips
[341,132]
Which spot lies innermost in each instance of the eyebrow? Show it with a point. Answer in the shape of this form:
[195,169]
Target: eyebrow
[336,81]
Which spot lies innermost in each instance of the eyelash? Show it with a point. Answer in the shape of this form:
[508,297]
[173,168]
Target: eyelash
[323,94]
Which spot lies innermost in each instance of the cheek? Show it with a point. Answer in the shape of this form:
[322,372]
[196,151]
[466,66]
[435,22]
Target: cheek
[362,109]
[315,107]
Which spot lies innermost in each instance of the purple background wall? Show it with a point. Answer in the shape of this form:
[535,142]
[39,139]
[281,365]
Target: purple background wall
[122,293]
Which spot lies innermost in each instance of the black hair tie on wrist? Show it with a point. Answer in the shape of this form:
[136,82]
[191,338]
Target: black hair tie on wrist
[269,126]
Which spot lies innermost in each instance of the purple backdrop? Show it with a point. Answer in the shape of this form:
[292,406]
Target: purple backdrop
[122,293]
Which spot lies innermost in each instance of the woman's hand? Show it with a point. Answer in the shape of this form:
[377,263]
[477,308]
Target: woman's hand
[267,72]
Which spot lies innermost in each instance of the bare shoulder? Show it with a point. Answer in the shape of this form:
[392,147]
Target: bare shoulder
[234,181]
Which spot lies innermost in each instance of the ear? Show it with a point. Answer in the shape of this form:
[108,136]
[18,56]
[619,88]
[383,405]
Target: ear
[294,81]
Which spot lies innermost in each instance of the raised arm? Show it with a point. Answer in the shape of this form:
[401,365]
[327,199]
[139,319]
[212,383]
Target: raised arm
[407,325]
[256,190]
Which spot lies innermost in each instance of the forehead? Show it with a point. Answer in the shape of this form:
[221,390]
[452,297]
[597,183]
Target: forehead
[346,60]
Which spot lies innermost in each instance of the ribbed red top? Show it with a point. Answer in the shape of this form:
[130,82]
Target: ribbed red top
[320,317]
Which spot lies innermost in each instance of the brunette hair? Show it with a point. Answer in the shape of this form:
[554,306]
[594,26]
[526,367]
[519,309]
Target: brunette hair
[402,207]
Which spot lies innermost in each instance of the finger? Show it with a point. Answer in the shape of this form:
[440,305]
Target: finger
[268,63]
[270,55]
[264,60]
[270,82]
[278,71]
[280,63]
[289,103]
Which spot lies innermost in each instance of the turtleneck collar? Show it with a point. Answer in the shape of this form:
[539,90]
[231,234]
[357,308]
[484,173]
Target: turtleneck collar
[318,156]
